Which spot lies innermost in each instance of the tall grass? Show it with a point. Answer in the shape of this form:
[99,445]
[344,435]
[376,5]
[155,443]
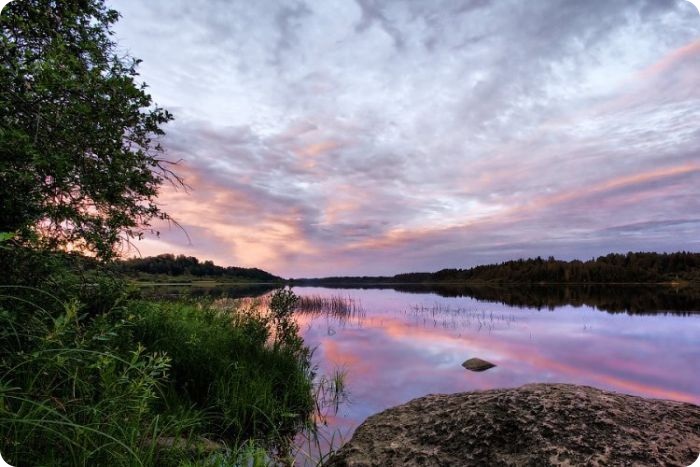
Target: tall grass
[90,376]
[439,315]
[225,364]
[71,395]
[317,442]
[336,306]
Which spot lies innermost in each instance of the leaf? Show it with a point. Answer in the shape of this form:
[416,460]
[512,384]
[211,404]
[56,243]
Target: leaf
[5,236]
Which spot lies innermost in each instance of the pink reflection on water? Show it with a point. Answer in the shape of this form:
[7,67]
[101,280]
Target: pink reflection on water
[409,345]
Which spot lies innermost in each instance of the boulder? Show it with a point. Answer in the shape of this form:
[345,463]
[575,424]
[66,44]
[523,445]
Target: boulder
[534,425]
[477,364]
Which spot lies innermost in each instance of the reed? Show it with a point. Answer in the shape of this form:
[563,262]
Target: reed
[439,315]
[336,306]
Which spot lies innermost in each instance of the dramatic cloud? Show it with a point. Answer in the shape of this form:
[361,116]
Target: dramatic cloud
[378,136]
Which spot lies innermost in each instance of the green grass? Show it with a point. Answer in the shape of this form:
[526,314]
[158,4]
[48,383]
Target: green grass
[92,376]
[71,395]
[225,363]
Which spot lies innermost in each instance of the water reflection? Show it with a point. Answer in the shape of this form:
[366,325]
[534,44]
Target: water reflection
[631,299]
[408,345]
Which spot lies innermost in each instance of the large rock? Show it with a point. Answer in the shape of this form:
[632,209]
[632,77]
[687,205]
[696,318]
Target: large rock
[534,425]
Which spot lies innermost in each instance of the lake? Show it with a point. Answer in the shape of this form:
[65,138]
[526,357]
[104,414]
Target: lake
[399,345]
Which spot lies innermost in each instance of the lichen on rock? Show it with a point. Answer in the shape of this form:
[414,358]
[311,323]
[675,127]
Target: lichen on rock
[533,425]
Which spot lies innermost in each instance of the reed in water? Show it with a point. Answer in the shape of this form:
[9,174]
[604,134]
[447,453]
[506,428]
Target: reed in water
[336,305]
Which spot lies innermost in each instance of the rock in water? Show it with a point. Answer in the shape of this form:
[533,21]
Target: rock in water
[534,425]
[477,364]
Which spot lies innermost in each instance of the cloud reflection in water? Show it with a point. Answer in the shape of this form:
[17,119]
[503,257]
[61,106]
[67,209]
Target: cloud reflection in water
[408,345]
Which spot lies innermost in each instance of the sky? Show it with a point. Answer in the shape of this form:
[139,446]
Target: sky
[366,137]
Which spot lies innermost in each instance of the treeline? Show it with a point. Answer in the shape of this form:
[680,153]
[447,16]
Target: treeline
[630,267]
[182,266]
[613,268]
[344,280]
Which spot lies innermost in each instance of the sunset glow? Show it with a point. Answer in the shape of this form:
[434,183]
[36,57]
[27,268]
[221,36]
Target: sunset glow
[378,137]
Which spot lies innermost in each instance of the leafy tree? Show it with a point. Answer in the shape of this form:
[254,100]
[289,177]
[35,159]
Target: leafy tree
[80,162]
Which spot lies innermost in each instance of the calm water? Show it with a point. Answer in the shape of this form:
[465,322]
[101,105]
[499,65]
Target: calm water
[407,345]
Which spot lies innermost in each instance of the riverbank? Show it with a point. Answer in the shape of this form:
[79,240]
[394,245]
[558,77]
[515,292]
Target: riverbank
[93,374]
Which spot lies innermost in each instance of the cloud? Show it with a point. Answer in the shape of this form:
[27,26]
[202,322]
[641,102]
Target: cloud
[380,136]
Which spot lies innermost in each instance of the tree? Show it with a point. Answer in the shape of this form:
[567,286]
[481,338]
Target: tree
[80,162]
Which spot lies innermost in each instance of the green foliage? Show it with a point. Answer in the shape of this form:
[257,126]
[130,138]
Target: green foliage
[74,392]
[226,362]
[80,161]
[108,380]
[282,306]
[628,268]
[66,276]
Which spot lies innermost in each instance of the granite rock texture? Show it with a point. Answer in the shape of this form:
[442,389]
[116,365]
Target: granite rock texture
[533,425]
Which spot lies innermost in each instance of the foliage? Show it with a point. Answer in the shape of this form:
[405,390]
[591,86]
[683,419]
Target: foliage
[631,267]
[282,306]
[80,162]
[67,276]
[106,383]
[226,361]
[72,392]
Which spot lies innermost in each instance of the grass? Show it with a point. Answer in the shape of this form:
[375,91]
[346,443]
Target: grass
[71,394]
[336,306]
[91,375]
[460,318]
[224,363]
[316,443]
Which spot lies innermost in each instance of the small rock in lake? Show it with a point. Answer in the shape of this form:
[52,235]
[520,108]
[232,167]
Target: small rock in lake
[477,364]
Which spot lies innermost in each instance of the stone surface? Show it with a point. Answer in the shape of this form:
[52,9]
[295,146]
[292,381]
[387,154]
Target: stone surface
[534,425]
[477,364]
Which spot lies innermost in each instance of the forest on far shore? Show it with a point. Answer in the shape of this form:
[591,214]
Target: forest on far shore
[630,268]
[168,266]
[641,267]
